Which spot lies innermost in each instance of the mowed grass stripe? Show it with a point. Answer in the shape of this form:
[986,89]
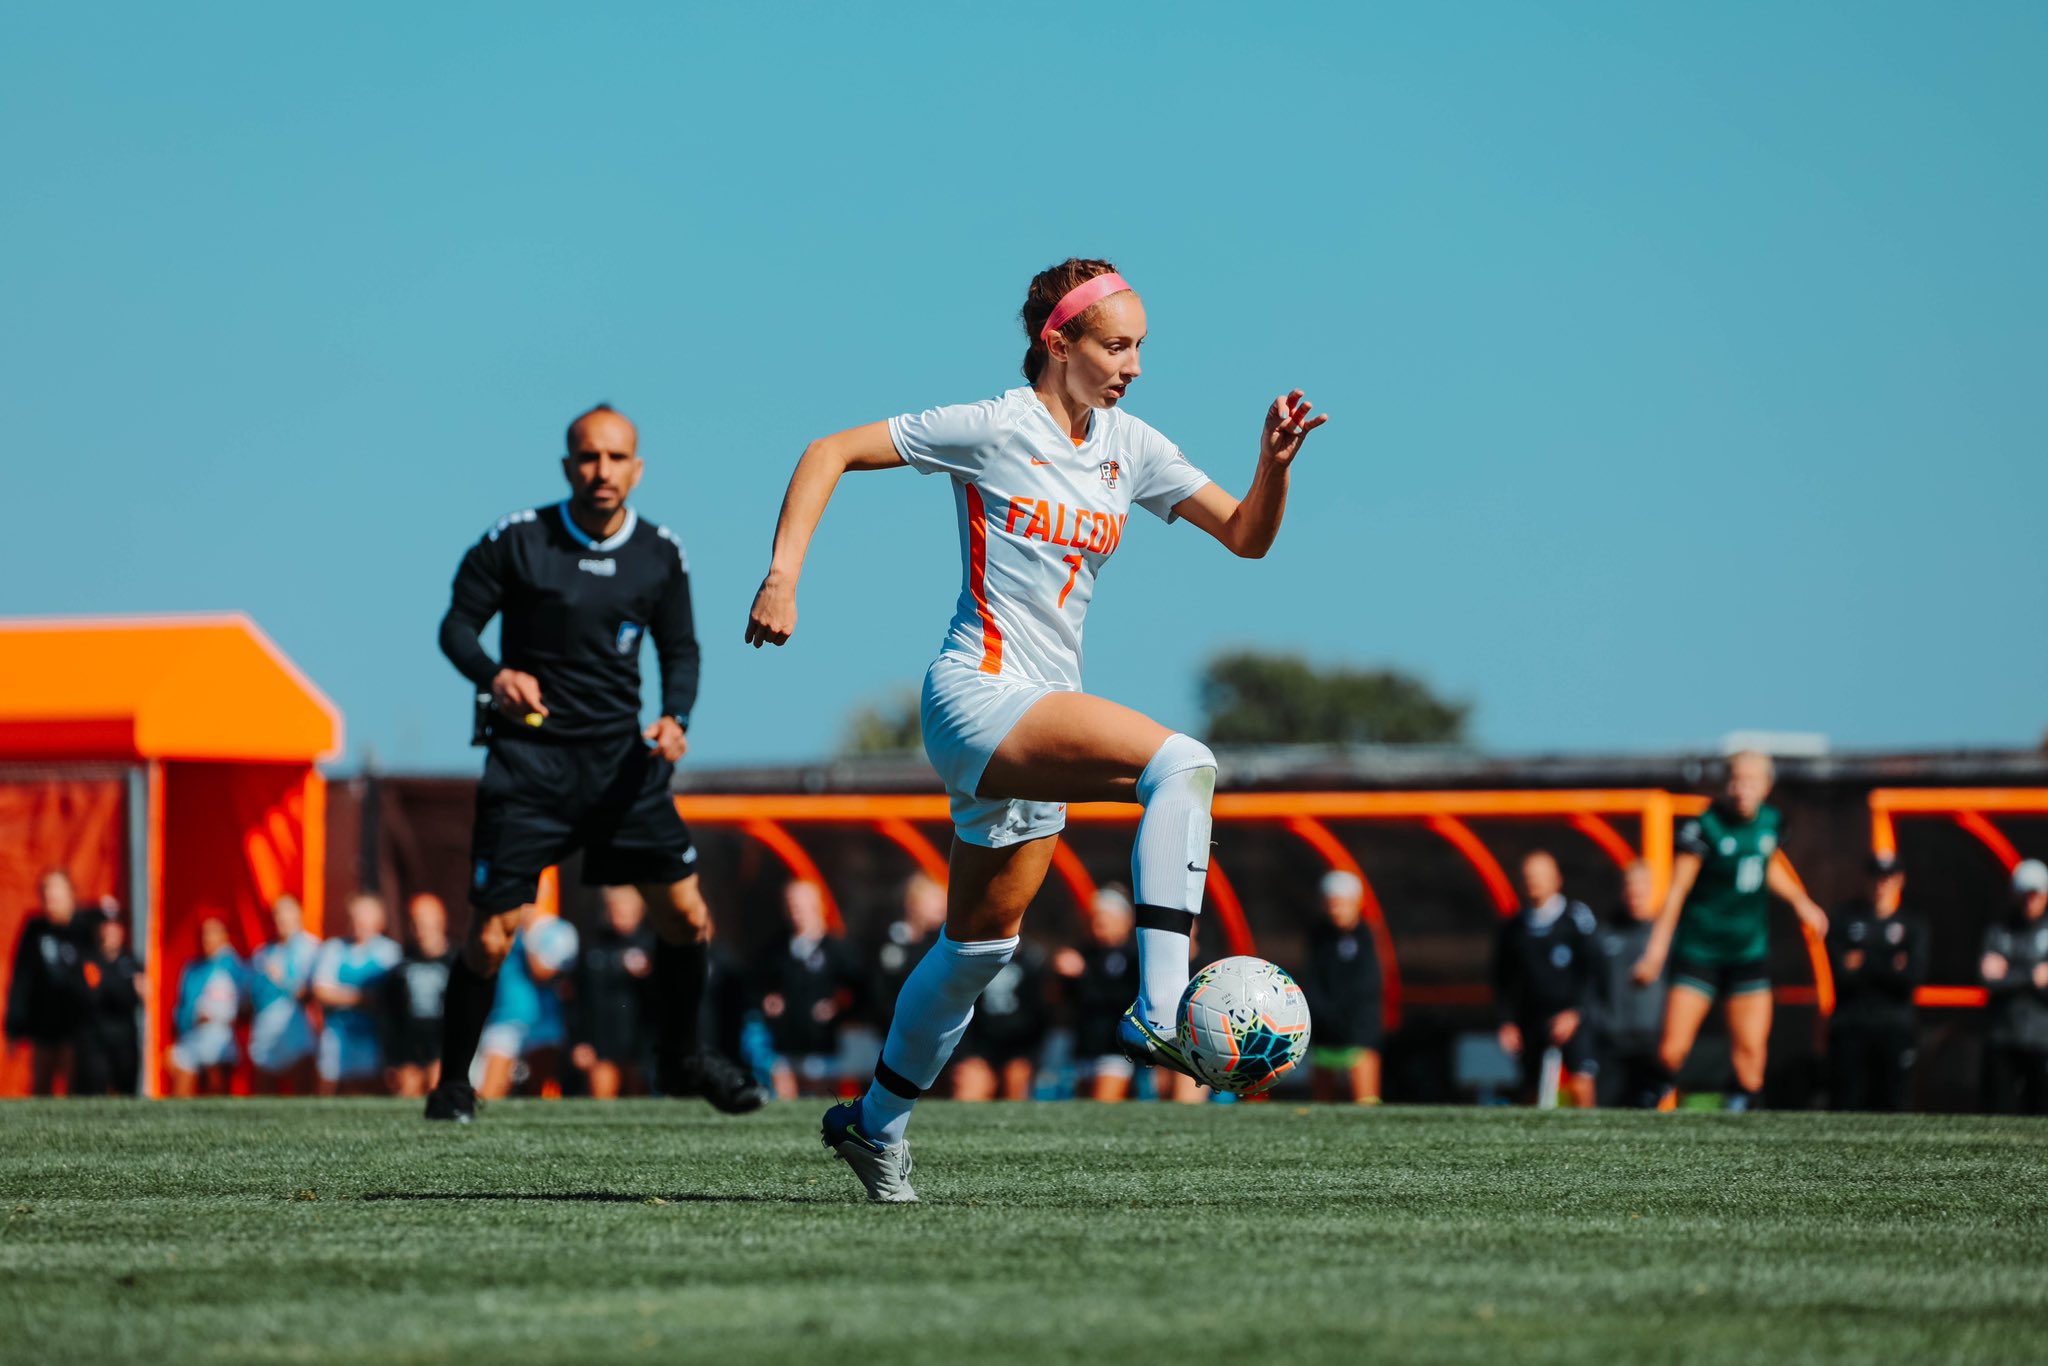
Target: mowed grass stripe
[352,1231]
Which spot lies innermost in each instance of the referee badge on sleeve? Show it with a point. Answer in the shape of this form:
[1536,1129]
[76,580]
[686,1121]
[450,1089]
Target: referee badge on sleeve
[629,637]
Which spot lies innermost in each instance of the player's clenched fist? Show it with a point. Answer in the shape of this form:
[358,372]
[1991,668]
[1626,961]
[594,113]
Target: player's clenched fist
[773,618]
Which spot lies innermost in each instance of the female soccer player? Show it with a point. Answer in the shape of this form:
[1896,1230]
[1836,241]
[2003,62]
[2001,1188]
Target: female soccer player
[1715,927]
[1044,478]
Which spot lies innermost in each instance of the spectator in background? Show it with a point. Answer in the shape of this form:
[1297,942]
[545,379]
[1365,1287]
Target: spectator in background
[924,915]
[1879,956]
[527,1028]
[2015,971]
[998,1055]
[612,972]
[1628,1016]
[1342,983]
[1101,980]
[348,982]
[211,993]
[109,1057]
[807,984]
[412,999]
[46,998]
[1543,967]
[280,981]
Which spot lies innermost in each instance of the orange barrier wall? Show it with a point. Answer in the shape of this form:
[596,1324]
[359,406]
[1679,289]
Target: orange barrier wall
[235,838]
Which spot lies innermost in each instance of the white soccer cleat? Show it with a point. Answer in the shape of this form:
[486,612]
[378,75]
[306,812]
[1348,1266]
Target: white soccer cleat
[883,1168]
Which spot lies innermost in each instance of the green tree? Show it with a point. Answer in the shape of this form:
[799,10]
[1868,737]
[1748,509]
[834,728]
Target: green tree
[887,725]
[1261,699]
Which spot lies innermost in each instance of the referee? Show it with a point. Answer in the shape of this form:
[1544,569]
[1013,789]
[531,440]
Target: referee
[577,586]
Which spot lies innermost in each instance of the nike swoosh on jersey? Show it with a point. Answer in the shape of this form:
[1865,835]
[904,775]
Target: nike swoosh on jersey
[1036,461]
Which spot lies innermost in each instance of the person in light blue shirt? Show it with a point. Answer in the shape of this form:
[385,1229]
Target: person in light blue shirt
[280,980]
[348,981]
[211,993]
[526,1024]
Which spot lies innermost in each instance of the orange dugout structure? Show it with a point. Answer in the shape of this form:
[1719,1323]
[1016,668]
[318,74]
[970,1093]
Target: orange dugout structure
[1972,809]
[169,764]
[1308,816]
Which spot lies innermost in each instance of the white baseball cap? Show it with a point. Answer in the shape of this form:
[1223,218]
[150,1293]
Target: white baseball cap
[1338,882]
[2029,877]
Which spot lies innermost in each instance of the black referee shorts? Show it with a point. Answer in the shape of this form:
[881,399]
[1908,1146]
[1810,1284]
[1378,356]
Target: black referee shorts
[541,801]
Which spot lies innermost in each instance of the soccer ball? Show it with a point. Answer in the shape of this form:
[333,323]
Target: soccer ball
[1242,1024]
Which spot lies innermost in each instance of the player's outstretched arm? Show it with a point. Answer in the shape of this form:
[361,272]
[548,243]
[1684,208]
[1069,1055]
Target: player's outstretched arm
[1783,882]
[773,617]
[1685,870]
[1247,526]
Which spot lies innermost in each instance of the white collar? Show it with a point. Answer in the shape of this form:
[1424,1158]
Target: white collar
[1543,916]
[611,542]
[1095,420]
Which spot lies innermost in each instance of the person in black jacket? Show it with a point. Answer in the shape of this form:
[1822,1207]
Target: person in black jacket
[1342,983]
[1543,969]
[1101,978]
[47,999]
[905,942]
[1628,1016]
[2015,972]
[109,1051]
[609,1016]
[1878,953]
[808,984]
[577,586]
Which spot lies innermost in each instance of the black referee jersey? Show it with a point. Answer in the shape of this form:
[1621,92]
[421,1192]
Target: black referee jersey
[574,611]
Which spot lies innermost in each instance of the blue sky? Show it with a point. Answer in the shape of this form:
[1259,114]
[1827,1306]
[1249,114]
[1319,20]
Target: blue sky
[1686,363]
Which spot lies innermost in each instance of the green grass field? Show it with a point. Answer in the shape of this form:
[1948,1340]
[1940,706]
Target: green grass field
[308,1231]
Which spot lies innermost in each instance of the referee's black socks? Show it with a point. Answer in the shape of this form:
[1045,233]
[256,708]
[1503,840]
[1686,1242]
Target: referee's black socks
[680,972]
[463,1011]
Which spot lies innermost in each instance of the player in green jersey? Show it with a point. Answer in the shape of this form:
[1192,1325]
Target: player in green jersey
[1714,929]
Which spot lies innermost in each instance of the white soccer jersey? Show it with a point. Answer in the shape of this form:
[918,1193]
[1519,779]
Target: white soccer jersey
[1039,517]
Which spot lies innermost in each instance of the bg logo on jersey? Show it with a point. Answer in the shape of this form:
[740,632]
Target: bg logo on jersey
[1110,470]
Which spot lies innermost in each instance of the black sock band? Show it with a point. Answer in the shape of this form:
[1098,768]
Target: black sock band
[1166,918]
[895,1083]
[464,1008]
[680,974]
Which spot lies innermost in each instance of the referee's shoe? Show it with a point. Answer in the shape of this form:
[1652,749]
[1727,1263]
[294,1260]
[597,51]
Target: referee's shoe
[452,1102]
[716,1080]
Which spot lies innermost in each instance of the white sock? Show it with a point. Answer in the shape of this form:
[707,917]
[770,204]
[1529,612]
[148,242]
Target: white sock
[1169,867]
[932,1013]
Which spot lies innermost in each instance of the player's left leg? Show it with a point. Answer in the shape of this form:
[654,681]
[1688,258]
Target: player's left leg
[1749,1039]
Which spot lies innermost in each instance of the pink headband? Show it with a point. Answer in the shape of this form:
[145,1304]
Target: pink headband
[1080,299]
